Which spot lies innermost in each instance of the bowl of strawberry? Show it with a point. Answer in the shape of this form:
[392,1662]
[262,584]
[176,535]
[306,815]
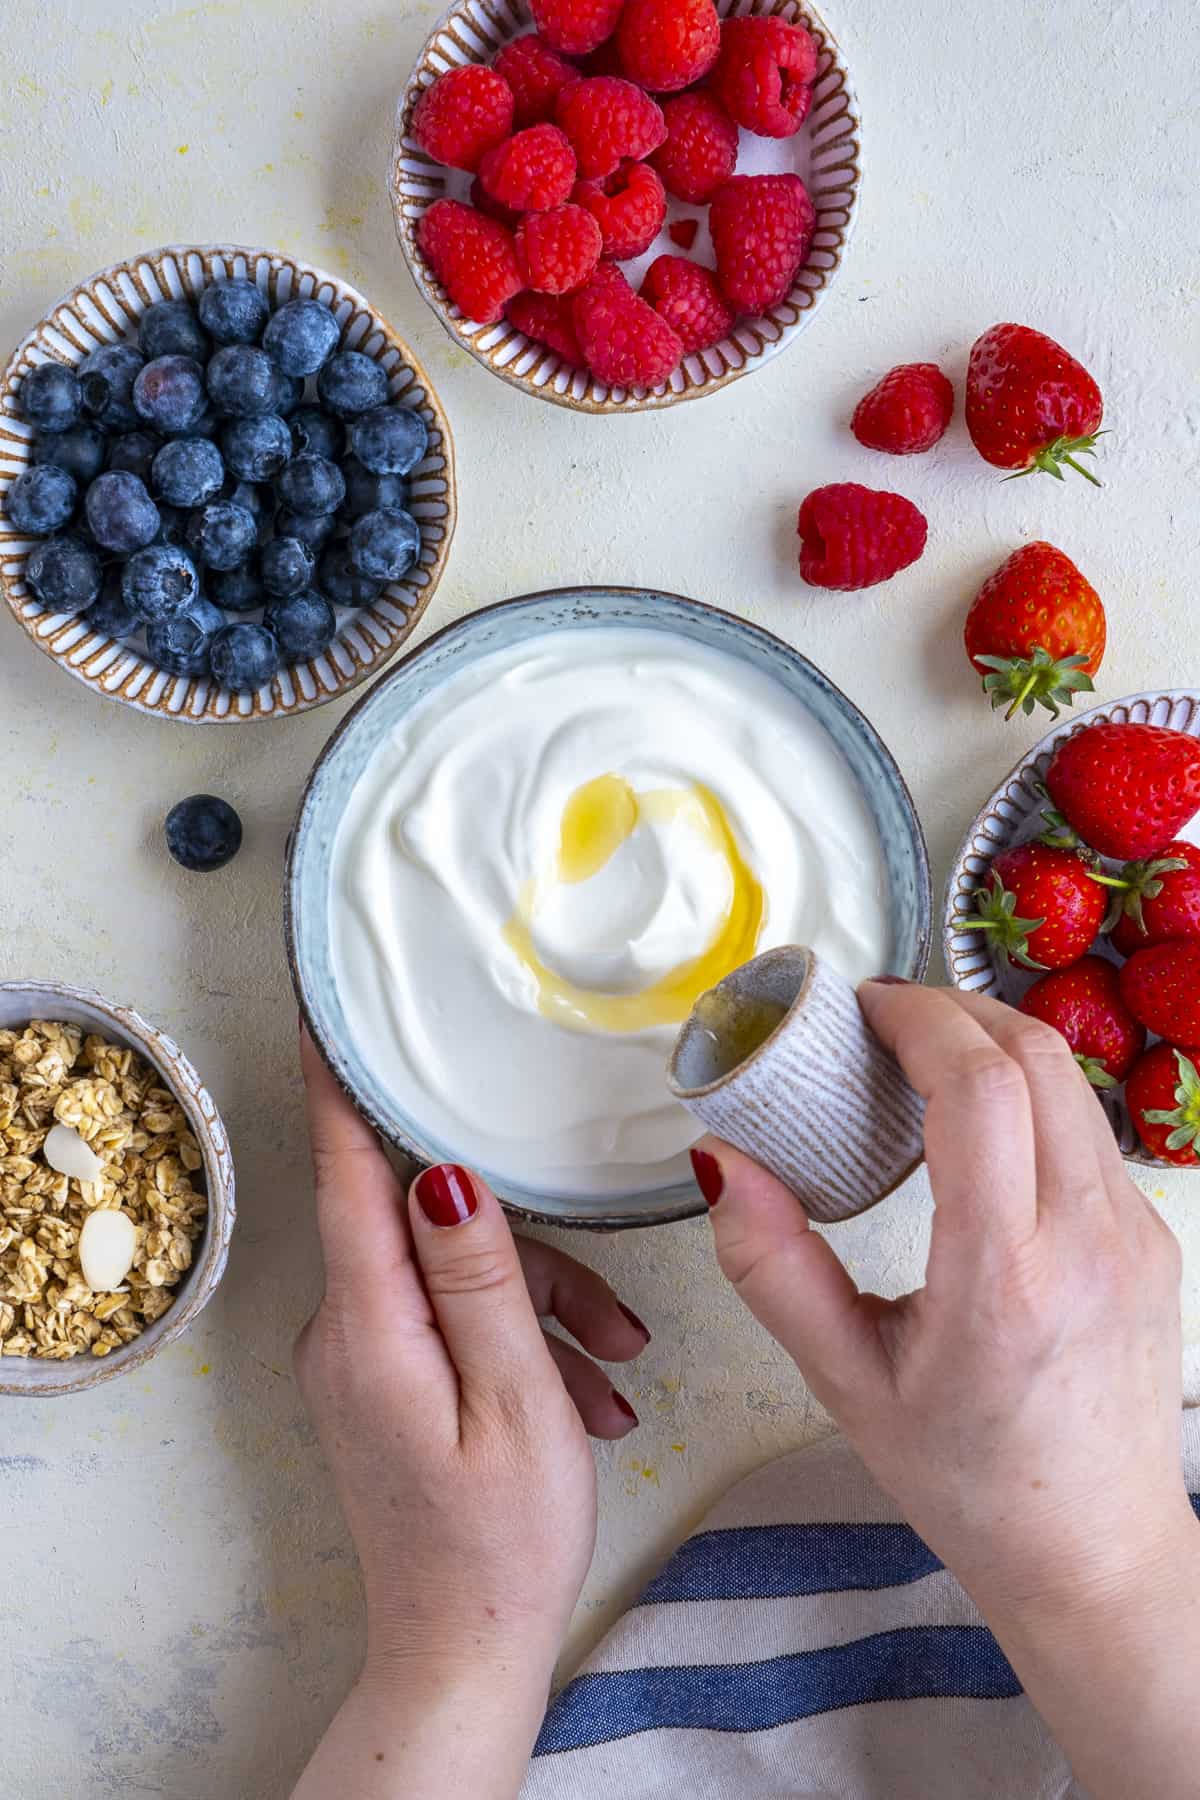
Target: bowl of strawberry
[621,204]
[1076,897]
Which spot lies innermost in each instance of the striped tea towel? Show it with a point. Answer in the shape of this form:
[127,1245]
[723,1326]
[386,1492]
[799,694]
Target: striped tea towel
[803,1645]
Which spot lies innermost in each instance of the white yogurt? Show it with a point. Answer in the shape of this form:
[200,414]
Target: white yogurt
[497,994]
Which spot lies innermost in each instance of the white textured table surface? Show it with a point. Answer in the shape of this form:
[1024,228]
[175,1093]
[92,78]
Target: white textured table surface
[180,1608]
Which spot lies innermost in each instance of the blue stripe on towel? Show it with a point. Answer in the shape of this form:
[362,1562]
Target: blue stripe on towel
[768,1562]
[925,1662]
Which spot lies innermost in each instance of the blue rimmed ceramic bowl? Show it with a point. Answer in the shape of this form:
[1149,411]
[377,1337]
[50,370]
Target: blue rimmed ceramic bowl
[345,756]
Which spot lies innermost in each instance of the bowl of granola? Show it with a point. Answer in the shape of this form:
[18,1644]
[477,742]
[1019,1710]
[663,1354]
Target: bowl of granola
[116,1190]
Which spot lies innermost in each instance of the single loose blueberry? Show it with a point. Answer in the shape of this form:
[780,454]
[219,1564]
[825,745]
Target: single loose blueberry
[256,449]
[160,581]
[171,328]
[311,484]
[383,545]
[341,583]
[50,397]
[172,523]
[106,378]
[41,500]
[222,534]
[301,336]
[241,381]
[304,625]
[120,513]
[203,833]
[288,566]
[233,311]
[188,471]
[241,589]
[109,616]
[63,574]
[181,643]
[135,452]
[351,383]
[366,492]
[313,529]
[169,393]
[244,655]
[391,440]
[289,392]
[80,450]
[317,433]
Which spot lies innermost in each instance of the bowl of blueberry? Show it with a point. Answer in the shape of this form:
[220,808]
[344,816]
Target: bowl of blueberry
[226,485]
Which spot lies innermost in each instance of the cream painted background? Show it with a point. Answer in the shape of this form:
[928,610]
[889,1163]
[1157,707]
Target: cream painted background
[179,1606]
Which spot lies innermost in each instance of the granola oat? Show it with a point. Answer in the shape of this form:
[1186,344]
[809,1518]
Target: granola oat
[51,1073]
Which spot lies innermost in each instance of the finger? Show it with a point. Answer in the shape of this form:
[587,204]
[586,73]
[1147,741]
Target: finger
[581,1301]
[605,1412]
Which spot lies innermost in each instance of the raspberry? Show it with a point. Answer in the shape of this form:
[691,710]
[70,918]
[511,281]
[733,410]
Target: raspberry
[665,45]
[853,537]
[624,340]
[686,295]
[629,208]
[764,74]
[531,171]
[700,150]
[558,250]
[482,201]
[907,411]
[473,257]
[761,228]
[536,74]
[607,120]
[576,26]
[462,114]
[683,232]
[546,318]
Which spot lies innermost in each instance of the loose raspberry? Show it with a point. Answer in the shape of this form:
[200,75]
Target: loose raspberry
[665,45]
[531,171]
[907,411]
[546,318]
[536,74]
[473,257]
[558,250]
[686,295]
[683,232]
[482,201]
[607,120]
[624,340]
[853,537]
[629,208]
[576,26]
[462,114]
[701,147]
[761,228]
[764,74]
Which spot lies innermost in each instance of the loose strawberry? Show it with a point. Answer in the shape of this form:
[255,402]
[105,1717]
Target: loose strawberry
[1042,907]
[1084,1003]
[1161,987]
[1163,1096]
[1128,790]
[1036,631]
[1157,900]
[1030,405]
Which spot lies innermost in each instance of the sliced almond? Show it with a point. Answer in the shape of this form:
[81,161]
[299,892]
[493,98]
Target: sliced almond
[106,1249]
[66,1152]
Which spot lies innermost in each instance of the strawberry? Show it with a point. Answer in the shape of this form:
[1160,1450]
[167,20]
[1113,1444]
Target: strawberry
[1030,405]
[1161,987]
[1128,790]
[1036,631]
[1163,1096]
[1157,900]
[1042,906]
[1084,1003]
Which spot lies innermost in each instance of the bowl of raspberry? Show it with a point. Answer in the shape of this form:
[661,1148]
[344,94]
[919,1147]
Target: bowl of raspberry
[226,485]
[623,204]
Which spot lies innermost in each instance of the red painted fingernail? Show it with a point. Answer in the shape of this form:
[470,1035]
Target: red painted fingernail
[447,1195]
[709,1179]
[635,1321]
[622,1405]
[891,981]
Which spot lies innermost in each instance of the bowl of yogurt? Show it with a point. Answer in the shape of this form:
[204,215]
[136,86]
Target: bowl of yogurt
[529,849]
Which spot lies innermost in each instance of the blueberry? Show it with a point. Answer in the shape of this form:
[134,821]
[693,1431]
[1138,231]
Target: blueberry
[240,589]
[80,451]
[63,574]
[171,328]
[169,393]
[287,566]
[256,449]
[234,311]
[312,529]
[241,381]
[173,524]
[301,336]
[160,581]
[203,832]
[134,451]
[289,392]
[41,500]
[120,513]
[222,534]
[50,396]
[316,433]
[188,471]
[391,440]
[181,643]
[351,383]
[340,582]
[383,545]
[303,623]
[109,616]
[311,484]
[366,492]
[244,655]
[106,378]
